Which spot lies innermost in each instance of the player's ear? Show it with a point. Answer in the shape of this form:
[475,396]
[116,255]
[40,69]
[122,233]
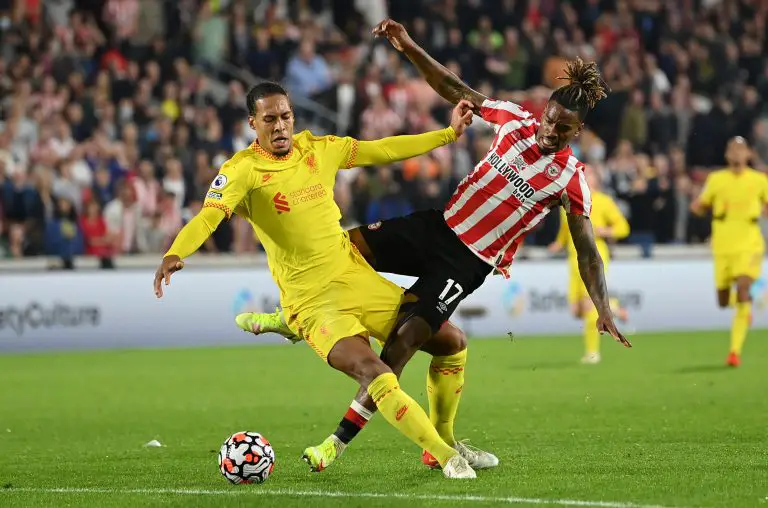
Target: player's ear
[252,122]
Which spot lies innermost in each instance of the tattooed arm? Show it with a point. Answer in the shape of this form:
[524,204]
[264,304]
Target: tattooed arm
[592,273]
[444,82]
[590,262]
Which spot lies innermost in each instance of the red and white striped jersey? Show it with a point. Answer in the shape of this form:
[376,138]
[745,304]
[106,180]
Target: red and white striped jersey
[513,188]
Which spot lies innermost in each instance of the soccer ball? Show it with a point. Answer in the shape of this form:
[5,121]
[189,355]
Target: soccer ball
[246,457]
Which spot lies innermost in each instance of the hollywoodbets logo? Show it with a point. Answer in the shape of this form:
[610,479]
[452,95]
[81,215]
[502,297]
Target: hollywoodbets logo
[281,203]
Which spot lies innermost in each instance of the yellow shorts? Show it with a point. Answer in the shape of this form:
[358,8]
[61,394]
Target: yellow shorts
[730,266]
[358,302]
[577,291]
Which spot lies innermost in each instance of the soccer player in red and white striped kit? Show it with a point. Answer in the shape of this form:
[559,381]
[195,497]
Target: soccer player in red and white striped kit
[528,170]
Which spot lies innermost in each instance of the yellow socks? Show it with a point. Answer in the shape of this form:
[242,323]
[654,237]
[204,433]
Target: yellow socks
[403,413]
[591,336]
[740,326]
[445,381]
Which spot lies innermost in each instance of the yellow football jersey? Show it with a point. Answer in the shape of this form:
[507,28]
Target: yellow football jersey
[605,213]
[737,202]
[289,202]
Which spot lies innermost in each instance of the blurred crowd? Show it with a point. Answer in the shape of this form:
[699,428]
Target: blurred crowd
[116,114]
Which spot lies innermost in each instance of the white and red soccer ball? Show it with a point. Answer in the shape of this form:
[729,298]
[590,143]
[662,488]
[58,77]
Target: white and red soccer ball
[246,457]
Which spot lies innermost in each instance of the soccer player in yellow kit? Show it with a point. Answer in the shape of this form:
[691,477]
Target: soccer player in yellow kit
[609,225]
[283,184]
[737,196]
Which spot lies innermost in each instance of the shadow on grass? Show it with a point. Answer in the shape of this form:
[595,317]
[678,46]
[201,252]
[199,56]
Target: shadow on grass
[694,369]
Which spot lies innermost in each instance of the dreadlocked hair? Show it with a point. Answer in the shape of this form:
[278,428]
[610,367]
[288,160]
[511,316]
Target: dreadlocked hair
[585,87]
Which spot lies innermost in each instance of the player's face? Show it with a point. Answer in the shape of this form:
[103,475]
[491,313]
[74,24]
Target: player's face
[273,123]
[559,126]
[737,153]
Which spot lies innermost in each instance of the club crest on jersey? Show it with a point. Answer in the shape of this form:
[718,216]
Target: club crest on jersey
[312,164]
[219,182]
[374,226]
[553,170]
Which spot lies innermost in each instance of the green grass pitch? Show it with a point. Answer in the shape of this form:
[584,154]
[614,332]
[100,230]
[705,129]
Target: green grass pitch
[661,424]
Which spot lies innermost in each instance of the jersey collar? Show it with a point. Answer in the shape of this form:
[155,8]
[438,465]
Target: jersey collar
[256,147]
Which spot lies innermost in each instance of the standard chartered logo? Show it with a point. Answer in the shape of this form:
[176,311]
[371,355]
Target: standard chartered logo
[37,315]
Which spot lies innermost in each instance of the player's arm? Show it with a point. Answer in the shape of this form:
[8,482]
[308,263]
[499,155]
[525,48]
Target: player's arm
[397,148]
[227,191]
[702,204]
[593,274]
[444,82]
[576,199]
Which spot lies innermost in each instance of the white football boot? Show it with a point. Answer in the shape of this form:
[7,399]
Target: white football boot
[457,467]
[476,458]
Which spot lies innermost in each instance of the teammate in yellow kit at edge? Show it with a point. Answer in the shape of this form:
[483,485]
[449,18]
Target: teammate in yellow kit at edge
[736,196]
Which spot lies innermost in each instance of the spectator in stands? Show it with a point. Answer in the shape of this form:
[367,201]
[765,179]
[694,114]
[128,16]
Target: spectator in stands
[96,237]
[147,189]
[379,120]
[307,73]
[122,216]
[63,237]
[87,94]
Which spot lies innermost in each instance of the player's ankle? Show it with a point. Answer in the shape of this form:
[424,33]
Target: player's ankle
[354,420]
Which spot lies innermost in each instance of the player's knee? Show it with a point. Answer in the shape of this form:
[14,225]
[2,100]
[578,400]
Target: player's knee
[743,293]
[456,339]
[370,368]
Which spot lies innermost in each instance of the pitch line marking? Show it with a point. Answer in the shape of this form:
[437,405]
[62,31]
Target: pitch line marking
[322,493]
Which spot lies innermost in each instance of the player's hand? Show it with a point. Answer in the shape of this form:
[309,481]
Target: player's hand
[554,247]
[169,266]
[395,33]
[461,117]
[605,324]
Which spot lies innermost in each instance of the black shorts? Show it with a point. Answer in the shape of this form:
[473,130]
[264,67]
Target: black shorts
[422,245]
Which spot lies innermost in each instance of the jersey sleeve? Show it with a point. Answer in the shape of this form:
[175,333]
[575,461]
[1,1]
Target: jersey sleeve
[500,112]
[229,188]
[576,197]
[338,152]
[196,232]
[398,148]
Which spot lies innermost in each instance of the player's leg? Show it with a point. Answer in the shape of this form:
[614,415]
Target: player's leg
[354,357]
[389,246]
[445,378]
[748,270]
[445,381]
[726,297]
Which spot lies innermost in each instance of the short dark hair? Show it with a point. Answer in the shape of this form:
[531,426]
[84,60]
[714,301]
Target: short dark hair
[263,89]
[584,90]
